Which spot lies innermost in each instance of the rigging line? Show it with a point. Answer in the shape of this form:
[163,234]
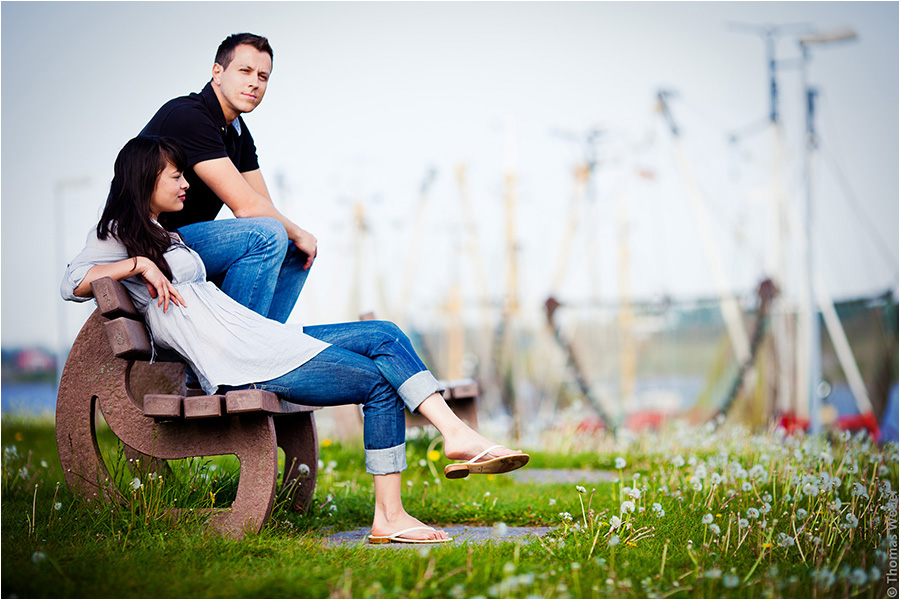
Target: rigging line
[857,208]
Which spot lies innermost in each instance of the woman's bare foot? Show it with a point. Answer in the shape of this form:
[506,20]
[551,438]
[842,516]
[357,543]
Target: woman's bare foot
[383,525]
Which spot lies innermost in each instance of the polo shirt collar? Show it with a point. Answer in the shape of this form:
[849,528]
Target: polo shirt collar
[211,101]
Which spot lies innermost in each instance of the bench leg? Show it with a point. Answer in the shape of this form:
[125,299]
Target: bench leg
[256,449]
[90,371]
[296,434]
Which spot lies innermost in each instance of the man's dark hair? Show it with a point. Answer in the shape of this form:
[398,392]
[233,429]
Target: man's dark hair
[226,49]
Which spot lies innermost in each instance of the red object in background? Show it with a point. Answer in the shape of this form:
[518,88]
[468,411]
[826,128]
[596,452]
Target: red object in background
[590,426]
[792,423]
[854,422]
[646,420]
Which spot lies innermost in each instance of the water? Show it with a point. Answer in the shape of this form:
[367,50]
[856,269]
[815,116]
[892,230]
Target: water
[28,398]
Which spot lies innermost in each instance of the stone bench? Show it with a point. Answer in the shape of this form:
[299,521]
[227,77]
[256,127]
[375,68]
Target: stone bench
[149,409]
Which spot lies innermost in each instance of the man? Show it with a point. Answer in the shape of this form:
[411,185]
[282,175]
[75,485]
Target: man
[261,259]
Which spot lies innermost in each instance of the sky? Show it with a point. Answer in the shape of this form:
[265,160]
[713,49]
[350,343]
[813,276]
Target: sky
[373,108]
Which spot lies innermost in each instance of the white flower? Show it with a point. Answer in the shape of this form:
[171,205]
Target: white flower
[678,461]
[714,529]
[858,577]
[552,501]
[746,486]
[707,519]
[614,523]
[57,505]
[743,523]
[731,580]
[614,541]
[752,513]
[634,493]
[656,507]
[627,506]
[801,514]
[810,489]
[580,489]
[565,516]
[620,463]
[423,462]
[303,469]
[499,530]
[696,484]
[715,479]
[136,484]
[852,521]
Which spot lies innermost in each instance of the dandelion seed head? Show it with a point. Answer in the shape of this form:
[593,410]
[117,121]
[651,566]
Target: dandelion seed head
[136,483]
[613,541]
[626,507]
[620,463]
[743,523]
[580,489]
[707,519]
[38,557]
[714,529]
[731,580]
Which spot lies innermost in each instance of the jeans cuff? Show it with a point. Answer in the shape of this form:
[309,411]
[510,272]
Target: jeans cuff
[386,460]
[417,388]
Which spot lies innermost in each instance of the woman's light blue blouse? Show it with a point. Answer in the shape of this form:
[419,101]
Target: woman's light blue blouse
[224,342]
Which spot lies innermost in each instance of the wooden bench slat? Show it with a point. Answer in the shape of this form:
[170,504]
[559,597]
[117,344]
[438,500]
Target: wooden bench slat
[113,299]
[203,407]
[162,406]
[244,401]
[128,338]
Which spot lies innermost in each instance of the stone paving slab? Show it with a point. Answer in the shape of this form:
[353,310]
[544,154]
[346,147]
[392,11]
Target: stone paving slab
[460,534]
[573,476]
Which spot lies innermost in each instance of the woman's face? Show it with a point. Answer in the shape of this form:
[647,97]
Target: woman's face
[168,195]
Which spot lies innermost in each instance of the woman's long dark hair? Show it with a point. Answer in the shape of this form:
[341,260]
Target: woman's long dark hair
[127,212]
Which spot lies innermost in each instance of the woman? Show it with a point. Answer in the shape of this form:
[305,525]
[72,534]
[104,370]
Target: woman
[229,346]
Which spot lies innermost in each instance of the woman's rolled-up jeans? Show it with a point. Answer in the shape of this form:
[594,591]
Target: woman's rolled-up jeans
[371,363]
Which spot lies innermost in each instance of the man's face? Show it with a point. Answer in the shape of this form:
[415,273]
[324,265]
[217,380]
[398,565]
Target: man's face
[243,83]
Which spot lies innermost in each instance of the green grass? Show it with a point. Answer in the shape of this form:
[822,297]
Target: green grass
[801,544]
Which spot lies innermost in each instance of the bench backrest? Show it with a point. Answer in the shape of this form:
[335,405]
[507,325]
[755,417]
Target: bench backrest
[125,329]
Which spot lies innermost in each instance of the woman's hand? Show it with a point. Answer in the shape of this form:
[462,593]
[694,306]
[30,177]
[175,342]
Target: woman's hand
[157,284]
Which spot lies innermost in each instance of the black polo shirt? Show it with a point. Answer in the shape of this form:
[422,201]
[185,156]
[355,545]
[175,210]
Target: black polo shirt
[197,122]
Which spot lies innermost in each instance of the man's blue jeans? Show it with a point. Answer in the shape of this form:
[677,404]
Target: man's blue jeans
[252,260]
[371,363]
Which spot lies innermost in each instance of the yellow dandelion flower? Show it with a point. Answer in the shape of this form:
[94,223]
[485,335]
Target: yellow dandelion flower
[767,545]
[434,455]
[326,442]
[19,436]
[491,477]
